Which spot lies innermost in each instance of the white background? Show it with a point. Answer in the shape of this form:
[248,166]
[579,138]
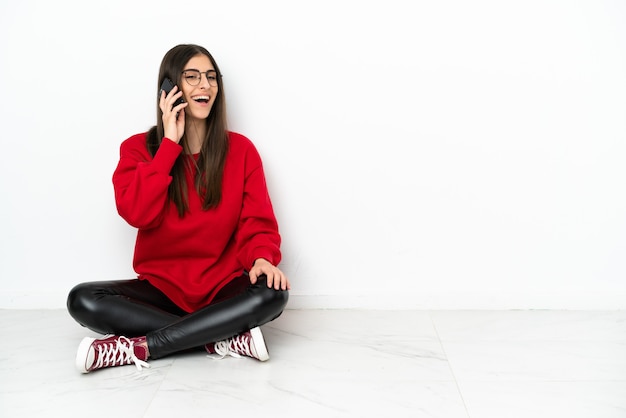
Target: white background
[420,154]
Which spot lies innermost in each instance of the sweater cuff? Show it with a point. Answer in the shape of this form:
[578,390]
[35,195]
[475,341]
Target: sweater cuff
[166,156]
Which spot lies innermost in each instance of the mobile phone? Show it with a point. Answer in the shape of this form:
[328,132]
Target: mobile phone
[167,86]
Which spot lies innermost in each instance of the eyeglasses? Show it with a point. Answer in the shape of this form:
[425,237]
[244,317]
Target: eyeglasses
[193,77]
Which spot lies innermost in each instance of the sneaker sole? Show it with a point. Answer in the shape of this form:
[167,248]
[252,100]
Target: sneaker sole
[81,354]
[259,344]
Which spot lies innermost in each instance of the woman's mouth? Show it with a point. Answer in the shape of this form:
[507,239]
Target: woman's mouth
[201,99]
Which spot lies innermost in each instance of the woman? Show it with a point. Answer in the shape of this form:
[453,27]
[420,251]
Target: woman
[207,245]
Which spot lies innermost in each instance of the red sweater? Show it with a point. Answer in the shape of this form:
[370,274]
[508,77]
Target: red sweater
[191,258]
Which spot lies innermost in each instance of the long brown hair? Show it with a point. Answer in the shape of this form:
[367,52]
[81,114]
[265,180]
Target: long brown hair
[210,163]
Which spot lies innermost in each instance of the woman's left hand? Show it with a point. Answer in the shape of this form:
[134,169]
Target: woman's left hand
[275,277]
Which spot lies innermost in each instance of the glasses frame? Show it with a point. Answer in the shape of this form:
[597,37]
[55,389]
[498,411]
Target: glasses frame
[212,83]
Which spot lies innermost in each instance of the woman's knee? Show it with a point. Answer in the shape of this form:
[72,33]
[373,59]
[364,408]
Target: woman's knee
[275,297]
[80,301]
[270,302]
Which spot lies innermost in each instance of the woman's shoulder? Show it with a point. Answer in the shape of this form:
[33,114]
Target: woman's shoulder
[136,147]
[136,139]
[237,139]
[136,142]
[239,143]
[241,147]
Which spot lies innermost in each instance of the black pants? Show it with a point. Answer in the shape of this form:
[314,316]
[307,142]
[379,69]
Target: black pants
[135,308]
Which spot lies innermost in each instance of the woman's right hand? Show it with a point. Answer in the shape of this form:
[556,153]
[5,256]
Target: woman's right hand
[173,118]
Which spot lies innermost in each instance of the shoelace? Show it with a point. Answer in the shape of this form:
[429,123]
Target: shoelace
[119,354]
[233,346]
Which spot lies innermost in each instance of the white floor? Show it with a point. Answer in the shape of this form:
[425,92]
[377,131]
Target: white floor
[338,363]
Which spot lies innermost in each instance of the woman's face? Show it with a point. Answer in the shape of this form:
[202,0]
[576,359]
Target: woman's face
[199,86]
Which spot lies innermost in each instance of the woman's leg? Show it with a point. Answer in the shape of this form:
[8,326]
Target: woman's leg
[256,306]
[121,307]
[135,308]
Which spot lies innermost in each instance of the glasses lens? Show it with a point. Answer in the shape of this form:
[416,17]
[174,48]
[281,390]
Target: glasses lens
[212,77]
[192,77]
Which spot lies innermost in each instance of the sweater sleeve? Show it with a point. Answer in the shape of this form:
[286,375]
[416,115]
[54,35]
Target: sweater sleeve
[141,183]
[257,234]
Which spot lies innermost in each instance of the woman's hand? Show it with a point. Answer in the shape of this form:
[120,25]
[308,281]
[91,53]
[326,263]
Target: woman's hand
[173,118]
[275,277]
